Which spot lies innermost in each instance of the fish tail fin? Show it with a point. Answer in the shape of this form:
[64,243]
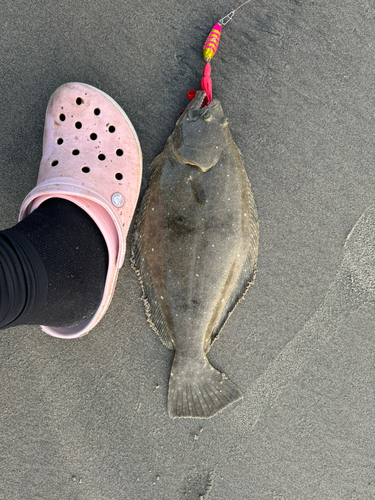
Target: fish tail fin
[197,390]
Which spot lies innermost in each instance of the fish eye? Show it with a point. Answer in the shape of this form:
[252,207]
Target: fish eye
[192,116]
[224,122]
[207,117]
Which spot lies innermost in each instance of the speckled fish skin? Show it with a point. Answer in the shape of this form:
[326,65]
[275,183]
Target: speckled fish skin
[195,250]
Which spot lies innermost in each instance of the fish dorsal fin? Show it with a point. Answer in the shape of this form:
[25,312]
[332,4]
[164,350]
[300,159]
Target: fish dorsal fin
[247,275]
[153,312]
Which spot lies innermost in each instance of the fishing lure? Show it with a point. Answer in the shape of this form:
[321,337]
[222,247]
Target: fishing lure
[212,43]
[209,50]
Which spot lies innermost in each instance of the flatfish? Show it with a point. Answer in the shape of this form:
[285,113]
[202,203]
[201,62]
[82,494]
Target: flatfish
[195,249]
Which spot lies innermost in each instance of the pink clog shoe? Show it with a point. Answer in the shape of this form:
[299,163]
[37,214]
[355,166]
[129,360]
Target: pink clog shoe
[91,157]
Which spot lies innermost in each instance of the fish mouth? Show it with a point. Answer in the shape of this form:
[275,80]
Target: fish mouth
[196,103]
[198,100]
[194,111]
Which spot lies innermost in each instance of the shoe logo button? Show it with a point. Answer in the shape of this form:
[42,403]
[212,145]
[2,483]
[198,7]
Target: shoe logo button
[117,200]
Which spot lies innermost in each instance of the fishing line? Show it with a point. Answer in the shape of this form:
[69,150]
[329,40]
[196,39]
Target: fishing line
[225,20]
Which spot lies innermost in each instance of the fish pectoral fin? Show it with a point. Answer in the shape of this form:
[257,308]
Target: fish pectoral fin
[197,390]
[198,191]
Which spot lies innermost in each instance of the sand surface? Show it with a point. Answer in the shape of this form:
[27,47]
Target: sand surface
[87,419]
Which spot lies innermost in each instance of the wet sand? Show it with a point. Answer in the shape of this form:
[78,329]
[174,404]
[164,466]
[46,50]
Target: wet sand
[87,419]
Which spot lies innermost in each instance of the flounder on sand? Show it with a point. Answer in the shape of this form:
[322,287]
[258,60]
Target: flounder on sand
[195,250]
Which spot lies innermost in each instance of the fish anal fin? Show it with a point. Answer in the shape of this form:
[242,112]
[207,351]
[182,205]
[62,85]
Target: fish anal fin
[197,390]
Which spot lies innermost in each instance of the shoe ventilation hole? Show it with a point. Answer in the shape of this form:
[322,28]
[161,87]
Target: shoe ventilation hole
[75,152]
[118,176]
[86,170]
[119,152]
[101,157]
[96,111]
[111,129]
[78,125]
[62,117]
[93,136]
[54,163]
[79,101]
[60,141]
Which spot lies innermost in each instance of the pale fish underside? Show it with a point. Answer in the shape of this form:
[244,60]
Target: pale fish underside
[195,250]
